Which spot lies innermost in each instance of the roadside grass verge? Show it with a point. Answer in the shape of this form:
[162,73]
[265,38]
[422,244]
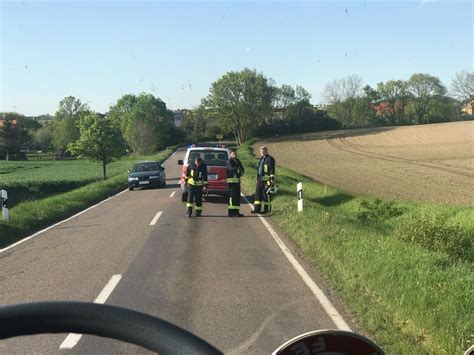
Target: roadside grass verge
[30,216]
[405,270]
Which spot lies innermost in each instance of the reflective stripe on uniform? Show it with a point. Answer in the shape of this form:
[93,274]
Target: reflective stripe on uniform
[198,208]
[257,202]
[265,178]
[232,206]
[265,168]
[189,205]
[233,180]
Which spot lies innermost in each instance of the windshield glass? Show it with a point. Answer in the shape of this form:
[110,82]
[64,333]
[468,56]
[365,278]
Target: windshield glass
[210,157]
[146,167]
[351,127]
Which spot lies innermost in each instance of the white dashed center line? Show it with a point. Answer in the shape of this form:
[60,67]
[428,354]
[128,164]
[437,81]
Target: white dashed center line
[72,339]
[155,219]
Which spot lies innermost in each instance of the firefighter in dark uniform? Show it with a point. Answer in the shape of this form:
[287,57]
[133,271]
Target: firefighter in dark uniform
[196,180]
[234,171]
[265,182]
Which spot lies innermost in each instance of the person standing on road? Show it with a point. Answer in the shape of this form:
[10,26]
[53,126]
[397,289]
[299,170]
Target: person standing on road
[265,182]
[234,171]
[196,180]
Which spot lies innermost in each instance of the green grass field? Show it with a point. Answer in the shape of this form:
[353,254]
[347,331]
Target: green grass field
[33,180]
[56,190]
[405,270]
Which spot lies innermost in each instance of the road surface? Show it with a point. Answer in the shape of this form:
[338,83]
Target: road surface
[224,279]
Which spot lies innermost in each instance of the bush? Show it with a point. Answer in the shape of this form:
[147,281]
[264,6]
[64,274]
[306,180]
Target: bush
[435,233]
[377,211]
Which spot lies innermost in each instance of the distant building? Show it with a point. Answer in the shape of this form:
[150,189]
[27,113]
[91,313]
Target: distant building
[468,107]
[2,122]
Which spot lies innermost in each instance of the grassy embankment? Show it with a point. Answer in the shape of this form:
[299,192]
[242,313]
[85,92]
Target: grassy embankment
[46,192]
[405,270]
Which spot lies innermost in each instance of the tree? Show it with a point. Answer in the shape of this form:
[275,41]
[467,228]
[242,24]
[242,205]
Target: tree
[462,87]
[240,101]
[302,94]
[342,94]
[99,140]
[65,125]
[42,138]
[145,122]
[13,137]
[394,95]
[283,97]
[424,89]
[197,123]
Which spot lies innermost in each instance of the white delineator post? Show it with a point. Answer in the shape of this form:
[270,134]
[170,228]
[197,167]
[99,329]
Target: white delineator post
[299,192]
[4,203]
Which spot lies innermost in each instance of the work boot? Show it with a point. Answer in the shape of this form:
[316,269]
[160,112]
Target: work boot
[198,213]
[189,213]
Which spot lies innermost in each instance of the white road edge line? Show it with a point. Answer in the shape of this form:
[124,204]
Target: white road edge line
[172,194]
[72,339]
[60,222]
[155,219]
[315,289]
[67,219]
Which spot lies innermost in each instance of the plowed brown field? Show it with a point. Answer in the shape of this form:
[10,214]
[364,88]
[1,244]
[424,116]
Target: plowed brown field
[430,163]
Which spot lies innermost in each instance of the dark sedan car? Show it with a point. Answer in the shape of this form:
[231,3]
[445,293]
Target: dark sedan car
[147,173]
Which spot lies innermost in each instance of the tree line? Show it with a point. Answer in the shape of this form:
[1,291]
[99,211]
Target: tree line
[141,124]
[247,103]
[421,99]
[240,105]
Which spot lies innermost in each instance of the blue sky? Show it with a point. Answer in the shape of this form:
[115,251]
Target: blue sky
[99,51]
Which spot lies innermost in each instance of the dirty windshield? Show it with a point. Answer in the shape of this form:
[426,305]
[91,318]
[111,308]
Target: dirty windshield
[339,141]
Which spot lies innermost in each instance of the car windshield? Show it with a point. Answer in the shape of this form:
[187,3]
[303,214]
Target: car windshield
[210,157]
[146,167]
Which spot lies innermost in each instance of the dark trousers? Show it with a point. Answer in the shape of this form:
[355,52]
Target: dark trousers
[234,198]
[194,196]
[262,201]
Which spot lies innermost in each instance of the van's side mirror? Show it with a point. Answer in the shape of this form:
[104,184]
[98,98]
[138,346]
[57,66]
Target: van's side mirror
[180,162]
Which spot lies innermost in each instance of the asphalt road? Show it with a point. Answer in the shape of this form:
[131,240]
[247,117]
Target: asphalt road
[224,279]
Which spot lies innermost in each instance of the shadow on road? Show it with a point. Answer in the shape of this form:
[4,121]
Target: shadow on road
[215,199]
[167,186]
[225,216]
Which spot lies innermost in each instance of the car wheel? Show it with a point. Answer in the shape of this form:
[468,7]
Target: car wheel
[130,188]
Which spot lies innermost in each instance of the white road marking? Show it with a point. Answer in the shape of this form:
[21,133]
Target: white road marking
[155,219]
[72,339]
[315,289]
[68,219]
[61,222]
[172,194]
